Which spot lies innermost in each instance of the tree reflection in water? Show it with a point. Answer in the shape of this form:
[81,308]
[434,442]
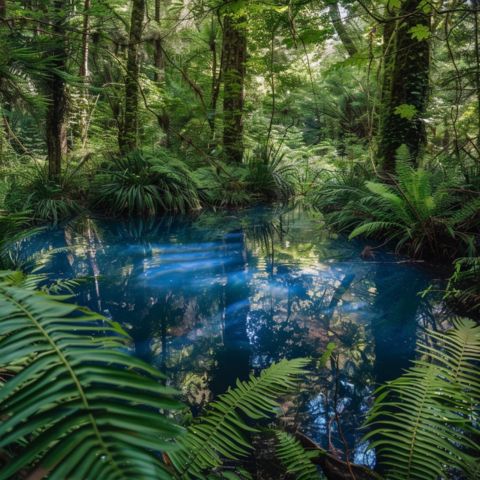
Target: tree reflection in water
[210,298]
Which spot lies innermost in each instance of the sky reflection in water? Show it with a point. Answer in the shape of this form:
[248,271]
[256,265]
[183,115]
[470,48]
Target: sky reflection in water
[211,298]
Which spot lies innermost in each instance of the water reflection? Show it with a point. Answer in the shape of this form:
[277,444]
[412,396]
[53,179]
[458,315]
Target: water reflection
[208,299]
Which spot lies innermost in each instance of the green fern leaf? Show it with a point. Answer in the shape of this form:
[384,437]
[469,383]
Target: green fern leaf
[77,400]
[220,432]
[421,422]
[295,459]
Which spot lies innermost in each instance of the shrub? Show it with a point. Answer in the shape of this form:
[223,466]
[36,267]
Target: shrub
[224,186]
[145,184]
[46,200]
[270,178]
[417,210]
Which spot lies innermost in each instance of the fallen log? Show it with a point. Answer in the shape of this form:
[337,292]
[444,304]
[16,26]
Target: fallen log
[333,467]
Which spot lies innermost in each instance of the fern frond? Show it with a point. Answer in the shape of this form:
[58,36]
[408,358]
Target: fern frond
[77,399]
[422,421]
[294,458]
[219,433]
[372,228]
[467,212]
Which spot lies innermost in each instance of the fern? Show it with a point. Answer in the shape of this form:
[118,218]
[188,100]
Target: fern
[294,458]
[145,184]
[219,433]
[78,406]
[423,421]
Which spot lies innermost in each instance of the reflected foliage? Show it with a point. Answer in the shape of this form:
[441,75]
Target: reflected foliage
[213,297]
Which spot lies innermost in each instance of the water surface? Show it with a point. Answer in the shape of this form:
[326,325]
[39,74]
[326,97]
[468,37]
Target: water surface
[211,298]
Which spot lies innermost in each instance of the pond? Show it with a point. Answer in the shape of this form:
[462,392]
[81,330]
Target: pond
[213,297]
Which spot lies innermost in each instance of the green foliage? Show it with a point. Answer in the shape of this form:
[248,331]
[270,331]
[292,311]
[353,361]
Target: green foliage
[223,185]
[424,423]
[420,32]
[416,210]
[220,432]
[46,200]
[269,176]
[294,458]
[145,184]
[14,228]
[338,195]
[77,404]
[464,285]
[406,111]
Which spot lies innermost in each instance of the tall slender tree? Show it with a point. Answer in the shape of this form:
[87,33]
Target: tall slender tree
[129,130]
[407,84]
[84,72]
[159,62]
[56,133]
[234,58]
[342,32]
[158,47]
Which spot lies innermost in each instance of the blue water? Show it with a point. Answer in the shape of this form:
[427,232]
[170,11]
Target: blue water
[212,298]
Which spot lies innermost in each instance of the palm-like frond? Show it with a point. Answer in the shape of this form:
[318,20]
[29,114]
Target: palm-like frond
[219,433]
[423,421]
[294,458]
[467,213]
[146,184]
[373,228]
[78,406]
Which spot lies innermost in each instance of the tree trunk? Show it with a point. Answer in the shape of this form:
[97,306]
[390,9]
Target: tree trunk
[3,139]
[163,117]
[217,72]
[84,73]
[388,55]
[56,133]
[128,134]
[476,6]
[409,85]
[336,18]
[234,55]
[159,59]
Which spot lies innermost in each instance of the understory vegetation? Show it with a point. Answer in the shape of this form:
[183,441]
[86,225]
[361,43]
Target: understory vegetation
[364,113]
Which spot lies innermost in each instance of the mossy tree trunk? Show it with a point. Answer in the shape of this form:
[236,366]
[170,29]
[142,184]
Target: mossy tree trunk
[55,129]
[84,73]
[234,58]
[406,86]
[129,131]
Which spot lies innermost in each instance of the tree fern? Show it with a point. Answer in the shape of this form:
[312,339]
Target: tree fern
[219,433]
[295,459]
[78,406]
[422,422]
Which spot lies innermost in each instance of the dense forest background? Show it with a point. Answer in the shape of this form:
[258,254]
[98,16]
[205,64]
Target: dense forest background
[319,83]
